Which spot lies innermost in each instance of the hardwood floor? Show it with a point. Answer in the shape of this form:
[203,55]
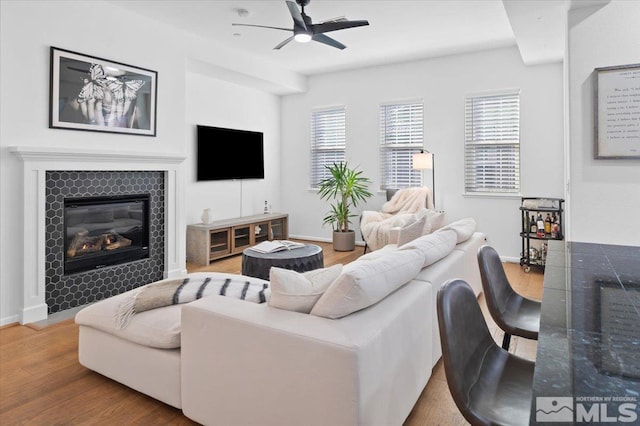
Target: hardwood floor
[42,383]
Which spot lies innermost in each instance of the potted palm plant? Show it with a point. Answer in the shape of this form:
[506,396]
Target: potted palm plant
[346,187]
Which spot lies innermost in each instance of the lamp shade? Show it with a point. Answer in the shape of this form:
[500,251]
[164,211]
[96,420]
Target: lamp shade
[422,161]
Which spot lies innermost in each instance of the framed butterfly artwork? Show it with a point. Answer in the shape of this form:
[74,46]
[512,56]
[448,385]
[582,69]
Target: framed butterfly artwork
[100,95]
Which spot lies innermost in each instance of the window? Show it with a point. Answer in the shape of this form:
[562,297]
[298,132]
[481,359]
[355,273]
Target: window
[401,136]
[328,141]
[492,143]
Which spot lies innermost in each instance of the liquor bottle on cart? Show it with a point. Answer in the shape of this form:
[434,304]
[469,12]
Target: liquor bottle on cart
[540,225]
[547,224]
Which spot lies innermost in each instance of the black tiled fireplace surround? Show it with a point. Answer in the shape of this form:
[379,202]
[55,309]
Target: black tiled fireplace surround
[64,292]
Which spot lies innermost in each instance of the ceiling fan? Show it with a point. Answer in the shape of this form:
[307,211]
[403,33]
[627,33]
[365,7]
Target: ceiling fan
[304,30]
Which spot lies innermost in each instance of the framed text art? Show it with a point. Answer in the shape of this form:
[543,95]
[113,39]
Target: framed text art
[89,93]
[617,110]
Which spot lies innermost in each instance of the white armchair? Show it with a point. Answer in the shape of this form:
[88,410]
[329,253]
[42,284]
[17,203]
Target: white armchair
[401,208]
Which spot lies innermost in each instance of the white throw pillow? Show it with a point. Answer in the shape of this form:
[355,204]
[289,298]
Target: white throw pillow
[433,246]
[411,231]
[365,282]
[435,219]
[295,291]
[403,219]
[464,228]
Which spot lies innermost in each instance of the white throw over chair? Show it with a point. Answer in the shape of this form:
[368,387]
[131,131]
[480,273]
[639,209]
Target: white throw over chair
[401,207]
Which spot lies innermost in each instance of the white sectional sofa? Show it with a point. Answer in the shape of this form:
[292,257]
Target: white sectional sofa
[228,361]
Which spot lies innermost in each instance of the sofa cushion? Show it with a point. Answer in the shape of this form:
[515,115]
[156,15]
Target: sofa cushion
[411,231]
[433,246]
[295,291]
[368,280]
[472,243]
[157,328]
[434,218]
[464,228]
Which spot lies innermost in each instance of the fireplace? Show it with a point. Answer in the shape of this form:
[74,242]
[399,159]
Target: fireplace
[104,234]
[105,231]
[51,175]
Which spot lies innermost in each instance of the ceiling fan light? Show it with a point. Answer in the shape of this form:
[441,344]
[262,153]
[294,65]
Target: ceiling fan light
[302,37]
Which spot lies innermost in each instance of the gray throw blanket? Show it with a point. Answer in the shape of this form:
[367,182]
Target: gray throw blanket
[187,289]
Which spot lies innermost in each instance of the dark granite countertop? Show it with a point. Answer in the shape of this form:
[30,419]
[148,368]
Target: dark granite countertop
[588,357]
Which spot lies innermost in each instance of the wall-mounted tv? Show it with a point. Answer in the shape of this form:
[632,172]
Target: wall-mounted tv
[229,154]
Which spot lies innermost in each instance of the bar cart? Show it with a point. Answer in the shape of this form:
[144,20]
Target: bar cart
[542,220]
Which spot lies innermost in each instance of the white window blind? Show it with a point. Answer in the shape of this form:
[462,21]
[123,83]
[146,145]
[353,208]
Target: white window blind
[328,141]
[492,143]
[401,136]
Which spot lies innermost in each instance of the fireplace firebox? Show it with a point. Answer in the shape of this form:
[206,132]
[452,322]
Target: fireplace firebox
[105,231]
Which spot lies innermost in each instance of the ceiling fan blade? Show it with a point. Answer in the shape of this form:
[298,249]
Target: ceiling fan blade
[339,25]
[296,15]
[263,26]
[328,41]
[338,19]
[283,43]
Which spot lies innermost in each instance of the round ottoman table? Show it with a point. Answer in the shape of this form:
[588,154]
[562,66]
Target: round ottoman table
[256,264]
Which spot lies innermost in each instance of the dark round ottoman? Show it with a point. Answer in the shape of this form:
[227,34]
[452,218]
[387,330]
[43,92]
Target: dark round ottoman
[256,264]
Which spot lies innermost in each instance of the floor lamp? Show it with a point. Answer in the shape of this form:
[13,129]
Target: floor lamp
[425,161]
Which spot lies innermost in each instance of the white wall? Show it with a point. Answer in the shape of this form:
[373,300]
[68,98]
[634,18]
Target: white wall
[604,194]
[443,84]
[29,28]
[216,103]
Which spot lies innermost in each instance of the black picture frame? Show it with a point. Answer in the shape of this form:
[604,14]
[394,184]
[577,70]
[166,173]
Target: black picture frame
[100,95]
[617,112]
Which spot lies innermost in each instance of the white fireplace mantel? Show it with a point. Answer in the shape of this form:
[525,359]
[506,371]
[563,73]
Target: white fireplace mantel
[38,160]
[47,154]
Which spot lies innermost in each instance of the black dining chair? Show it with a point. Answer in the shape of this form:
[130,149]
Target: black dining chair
[515,314]
[489,385]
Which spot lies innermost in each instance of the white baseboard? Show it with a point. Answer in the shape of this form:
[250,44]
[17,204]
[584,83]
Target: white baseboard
[34,313]
[9,320]
[175,273]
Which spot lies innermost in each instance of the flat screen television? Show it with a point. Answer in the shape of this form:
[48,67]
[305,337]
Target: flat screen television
[229,154]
